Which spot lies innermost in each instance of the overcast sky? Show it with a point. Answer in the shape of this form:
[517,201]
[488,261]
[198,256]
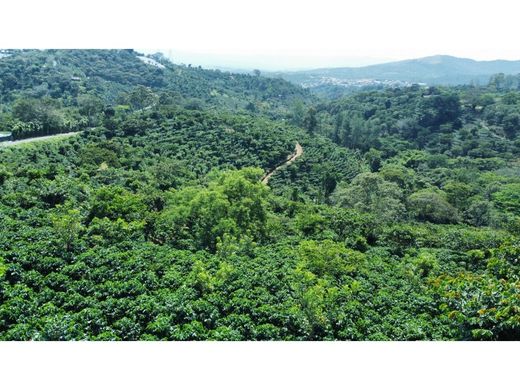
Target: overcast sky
[272,34]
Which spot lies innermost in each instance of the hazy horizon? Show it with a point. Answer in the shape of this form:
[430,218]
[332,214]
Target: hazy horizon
[272,62]
[278,35]
[265,61]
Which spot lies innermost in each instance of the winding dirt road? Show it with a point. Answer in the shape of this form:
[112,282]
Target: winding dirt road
[298,151]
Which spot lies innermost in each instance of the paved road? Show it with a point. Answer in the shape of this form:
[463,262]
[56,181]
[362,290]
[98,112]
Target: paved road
[35,139]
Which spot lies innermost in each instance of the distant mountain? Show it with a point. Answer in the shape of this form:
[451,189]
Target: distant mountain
[434,70]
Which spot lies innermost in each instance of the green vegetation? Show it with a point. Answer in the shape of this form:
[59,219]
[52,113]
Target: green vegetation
[433,70]
[56,91]
[400,221]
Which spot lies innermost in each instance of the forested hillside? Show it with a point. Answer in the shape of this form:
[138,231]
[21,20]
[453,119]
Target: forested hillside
[400,220]
[56,91]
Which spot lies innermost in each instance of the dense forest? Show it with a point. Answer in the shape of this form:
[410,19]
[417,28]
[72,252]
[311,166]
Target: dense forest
[400,220]
[58,91]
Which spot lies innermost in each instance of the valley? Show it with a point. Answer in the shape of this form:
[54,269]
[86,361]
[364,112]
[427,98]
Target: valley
[157,201]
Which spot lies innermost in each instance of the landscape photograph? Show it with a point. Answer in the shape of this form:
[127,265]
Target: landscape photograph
[147,200]
[249,177]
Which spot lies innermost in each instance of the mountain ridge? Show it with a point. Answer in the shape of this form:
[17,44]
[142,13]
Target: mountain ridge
[425,59]
[431,70]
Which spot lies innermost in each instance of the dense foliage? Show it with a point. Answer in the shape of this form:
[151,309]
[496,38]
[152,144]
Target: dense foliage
[56,91]
[400,221]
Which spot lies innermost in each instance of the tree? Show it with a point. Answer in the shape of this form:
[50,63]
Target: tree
[251,107]
[404,177]
[373,157]
[431,205]
[232,204]
[90,106]
[115,202]
[510,124]
[480,212]
[328,259]
[170,174]
[310,123]
[508,198]
[438,108]
[369,192]
[68,227]
[141,98]
[458,194]
[298,113]
[425,263]
[26,110]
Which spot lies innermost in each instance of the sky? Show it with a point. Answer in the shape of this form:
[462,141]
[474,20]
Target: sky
[271,34]
[265,60]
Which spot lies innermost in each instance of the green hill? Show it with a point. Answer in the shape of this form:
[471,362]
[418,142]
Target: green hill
[434,70]
[399,219]
[109,74]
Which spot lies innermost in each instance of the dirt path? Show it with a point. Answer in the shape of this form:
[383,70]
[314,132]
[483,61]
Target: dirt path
[35,139]
[298,151]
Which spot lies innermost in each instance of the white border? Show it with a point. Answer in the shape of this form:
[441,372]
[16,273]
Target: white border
[260,365]
[153,23]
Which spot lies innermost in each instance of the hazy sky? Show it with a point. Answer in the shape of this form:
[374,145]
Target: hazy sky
[272,34]
[265,60]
